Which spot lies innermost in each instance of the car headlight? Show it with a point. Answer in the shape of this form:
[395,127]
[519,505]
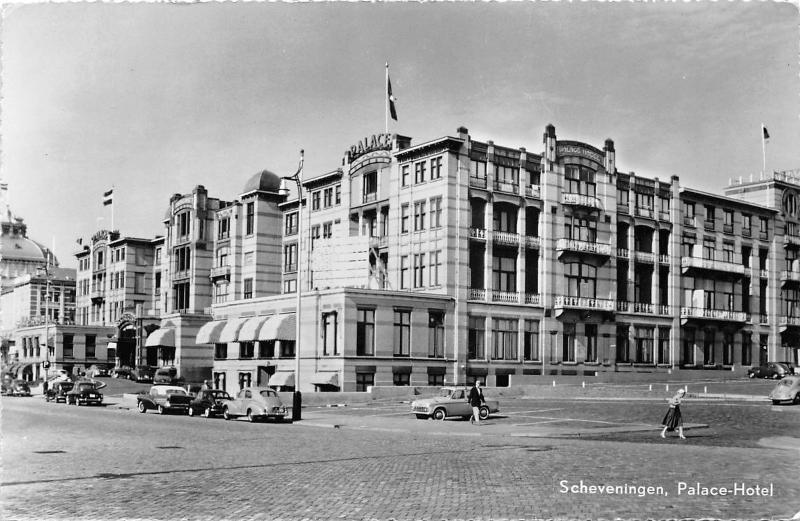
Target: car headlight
[166,404]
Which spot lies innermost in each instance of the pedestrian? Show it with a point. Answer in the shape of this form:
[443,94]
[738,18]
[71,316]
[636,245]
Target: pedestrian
[673,417]
[476,399]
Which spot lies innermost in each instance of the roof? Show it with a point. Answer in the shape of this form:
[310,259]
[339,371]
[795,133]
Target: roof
[22,248]
[264,181]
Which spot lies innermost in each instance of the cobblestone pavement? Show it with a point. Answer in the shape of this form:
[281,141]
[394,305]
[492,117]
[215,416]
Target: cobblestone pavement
[67,462]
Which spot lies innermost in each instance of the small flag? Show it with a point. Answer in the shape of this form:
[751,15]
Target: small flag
[79,241]
[766,134]
[392,99]
[108,197]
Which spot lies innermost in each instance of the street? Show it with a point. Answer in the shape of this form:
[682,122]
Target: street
[546,458]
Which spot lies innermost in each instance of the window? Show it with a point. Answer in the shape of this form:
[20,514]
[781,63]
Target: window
[244,381]
[401,378]
[290,258]
[419,172]
[250,221]
[504,270]
[181,296]
[419,270]
[504,336]
[476,338]
[590,334]
[329,333]
[727,221]
[184,224]
[402,332]
[622,343]
[290,286]
[404,218]
[581,280]
[436,212]
[643,336]
[747,224]
[246,349]
[506,175]
[405,175]
[404,282]
[220,351]
[688,212]
[266,349]
[623,197]
[568,343]
[315,198]
[291,224]
[370,186]
[223,228]
[158,255]
[247,291]
[727,348]
[747,348]
[337,194]
[327,230]
[138,282]
[579,180]
[477,169]
[709,213]
[708,347]
[644,201]
[435,380]
[365,332]
[436,168]
[183,258]
[727,252]
[709,247]
[435,334]
[436,266]
[327,197]
[504,219]
[764,226]
[287,348]
[580,229]
[419,216]
[68,345]
[364,380]
[530,341]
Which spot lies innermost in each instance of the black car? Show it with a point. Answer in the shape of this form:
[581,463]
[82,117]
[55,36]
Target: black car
[209,402]
[84,393]
[16,388]
[57,391]
[772,370]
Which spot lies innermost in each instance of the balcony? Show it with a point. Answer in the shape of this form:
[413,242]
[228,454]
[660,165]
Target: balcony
[97,294]
[477,233]
[506,297]
[534,191]
[181,275]
[695,263]
[623,253]
[378,242]
[477,294]
[511,297]
[719,315]
[512,187]
[710,224]
[690,221]
[565,302]
[790,276]
[642,308]
[507,238]
[785,322]
[663,258]
[220,272]
[791,239]
[663,215]
[644,256]
[370,197]
[595,248]
[640,211]
[533,242]
[478,182]
[586,201]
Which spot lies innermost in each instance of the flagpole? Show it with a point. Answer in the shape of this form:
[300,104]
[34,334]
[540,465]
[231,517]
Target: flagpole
[763,151]
[386,96]
[112,208]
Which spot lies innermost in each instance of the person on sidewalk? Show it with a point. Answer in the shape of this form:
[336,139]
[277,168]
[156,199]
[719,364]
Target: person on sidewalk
[673,417]
[476,399]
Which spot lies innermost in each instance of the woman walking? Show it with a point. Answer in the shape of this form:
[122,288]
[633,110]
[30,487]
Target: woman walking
[673,417]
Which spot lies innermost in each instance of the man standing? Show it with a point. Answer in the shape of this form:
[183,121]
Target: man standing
[476,400]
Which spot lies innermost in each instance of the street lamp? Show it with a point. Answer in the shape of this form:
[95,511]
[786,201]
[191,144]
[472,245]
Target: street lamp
[297,398]
[45,270]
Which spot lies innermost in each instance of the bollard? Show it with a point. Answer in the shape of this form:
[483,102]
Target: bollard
[583,385]
[554,383]
[650,387]
[705,390]
[667,387]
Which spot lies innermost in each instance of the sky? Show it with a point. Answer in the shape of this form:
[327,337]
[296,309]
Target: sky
[154,99]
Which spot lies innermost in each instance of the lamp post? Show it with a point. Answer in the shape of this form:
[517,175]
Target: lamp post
[45,270]
[297,397]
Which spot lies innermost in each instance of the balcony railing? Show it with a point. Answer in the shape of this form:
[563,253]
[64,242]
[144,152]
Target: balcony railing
[785,321]
[97,294]
[791,239]
[711,264]
[690,221]
[181,274]
[790,276]
[664,309]
[623,253]
[624,306]
[583,246]
[764,274]
[601,304]
[505,296]
[220,272]
[643,256]
[533,242]
[509,238]
[587,201]
[663,215]
[643,212]
[479,182]
[508,297]
[477,233]
[533,191]
[663,258]
[532,298]
[714,314]
[512,187]
[477,294]
[378,242]
[369,197]
[710,224]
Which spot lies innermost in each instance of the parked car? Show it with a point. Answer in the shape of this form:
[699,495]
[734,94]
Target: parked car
[255,403]
[16,388]
[143,374]
[57,390]
[209,402]
[84,393]
[164,399]
[769,370]
[122,372]
[167,375]
[793,369]
[97,370]
[787,390]
[452,401]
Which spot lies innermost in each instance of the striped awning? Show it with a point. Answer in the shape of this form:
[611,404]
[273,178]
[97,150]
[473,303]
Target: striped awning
[230,333]
[281,378]
[278,327]
[161,337]
[325,379]
[251,327]
[209,333]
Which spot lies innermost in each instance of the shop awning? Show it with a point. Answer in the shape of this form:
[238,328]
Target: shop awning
[278,327]
[111,345]
[230,333]
[251,328]
[281,378]
[161,337]
[209,333]
[325,379]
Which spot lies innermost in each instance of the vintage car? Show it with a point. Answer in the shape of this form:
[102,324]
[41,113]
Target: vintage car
[452,401]
[773,370]
[164,399]
[122,372]
[57,390]
[16,388]
[255,403]
[209,402]
[168,376]
[787,390]
[84,393]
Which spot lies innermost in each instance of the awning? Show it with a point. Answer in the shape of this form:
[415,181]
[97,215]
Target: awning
[161,337]
[251,327]
[281,378]
[111,345]
[209,333]
[278,327]
[325,379]
[230,333]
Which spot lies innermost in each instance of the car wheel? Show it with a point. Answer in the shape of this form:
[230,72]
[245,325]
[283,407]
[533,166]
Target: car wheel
[207,412]
[161,410]
[191,411]
[483,413]
[226,414]
[142,407]
[439,414]
[250,417]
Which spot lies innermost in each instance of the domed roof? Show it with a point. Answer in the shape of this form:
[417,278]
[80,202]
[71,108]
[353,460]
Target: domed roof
[264,181]
[22,249]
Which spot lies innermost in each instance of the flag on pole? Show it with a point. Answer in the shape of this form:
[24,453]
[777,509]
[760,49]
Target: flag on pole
[391,98]
[108,197]
[764,130]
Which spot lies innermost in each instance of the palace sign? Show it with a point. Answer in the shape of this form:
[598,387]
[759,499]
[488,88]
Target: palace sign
[575,150]
[370,144]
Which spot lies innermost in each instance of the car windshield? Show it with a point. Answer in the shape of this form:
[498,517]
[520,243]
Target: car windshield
[86,387]
[176,391]
[445,392]
[66,386]
[219,395]
[267,393]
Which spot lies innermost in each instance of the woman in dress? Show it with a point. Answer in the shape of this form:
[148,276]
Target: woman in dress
[673,417]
